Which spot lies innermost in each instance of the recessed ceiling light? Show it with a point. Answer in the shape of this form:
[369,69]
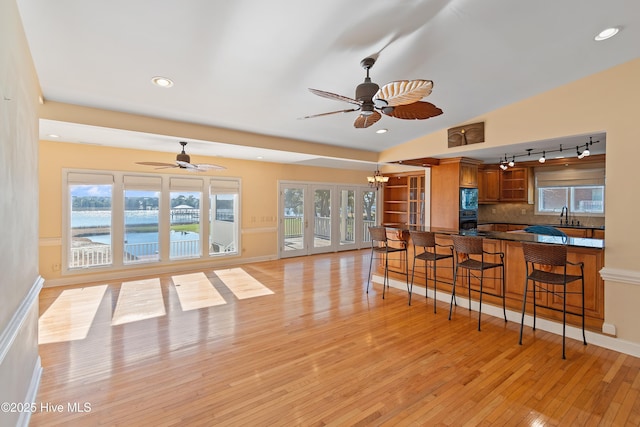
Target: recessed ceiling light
[162,81]
[53,135]
[607,33]
[382,131]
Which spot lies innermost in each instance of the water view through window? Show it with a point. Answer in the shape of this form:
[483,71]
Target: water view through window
[90,225]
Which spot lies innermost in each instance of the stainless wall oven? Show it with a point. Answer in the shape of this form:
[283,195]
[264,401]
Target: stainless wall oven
[468,218]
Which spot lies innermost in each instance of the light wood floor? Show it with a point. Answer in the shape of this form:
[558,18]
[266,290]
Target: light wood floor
[317,351]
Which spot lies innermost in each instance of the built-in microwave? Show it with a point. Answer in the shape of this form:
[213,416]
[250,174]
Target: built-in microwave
[469,199]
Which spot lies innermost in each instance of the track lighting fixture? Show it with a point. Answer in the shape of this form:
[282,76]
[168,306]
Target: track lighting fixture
[542,159]
[505,163]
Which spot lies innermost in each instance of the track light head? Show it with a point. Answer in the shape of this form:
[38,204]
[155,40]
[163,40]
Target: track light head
[542,159]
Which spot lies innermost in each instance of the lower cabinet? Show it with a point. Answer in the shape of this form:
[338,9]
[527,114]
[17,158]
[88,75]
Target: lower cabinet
[593,260]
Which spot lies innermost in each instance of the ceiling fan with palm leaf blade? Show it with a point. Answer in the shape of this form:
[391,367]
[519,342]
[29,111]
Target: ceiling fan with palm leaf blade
[183,161]
[399,99]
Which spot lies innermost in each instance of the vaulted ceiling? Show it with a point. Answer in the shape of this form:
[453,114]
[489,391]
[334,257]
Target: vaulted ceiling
[248,64]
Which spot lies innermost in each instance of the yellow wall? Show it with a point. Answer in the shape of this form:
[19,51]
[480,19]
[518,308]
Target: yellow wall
[607,101]
[258,204]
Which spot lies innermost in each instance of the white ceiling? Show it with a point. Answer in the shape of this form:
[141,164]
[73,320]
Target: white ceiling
[247,64]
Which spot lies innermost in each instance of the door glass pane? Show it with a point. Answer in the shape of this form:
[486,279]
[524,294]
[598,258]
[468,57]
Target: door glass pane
[347,217]
[184,235]
[293,216]
[224,224]
[368,213]
[90,225]
[141,242]
[322,218]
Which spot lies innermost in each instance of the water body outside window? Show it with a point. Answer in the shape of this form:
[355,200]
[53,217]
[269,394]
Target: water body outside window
[90,220]
[184,235]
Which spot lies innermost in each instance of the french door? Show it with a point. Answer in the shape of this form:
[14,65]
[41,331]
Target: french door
[317,218]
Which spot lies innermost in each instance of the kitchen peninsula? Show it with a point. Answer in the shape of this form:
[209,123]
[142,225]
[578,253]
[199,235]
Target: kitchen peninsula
[587,250]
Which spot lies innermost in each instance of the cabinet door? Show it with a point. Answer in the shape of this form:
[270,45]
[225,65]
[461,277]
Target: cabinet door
[468,175]
[513,185]
[416,200]
[488,186]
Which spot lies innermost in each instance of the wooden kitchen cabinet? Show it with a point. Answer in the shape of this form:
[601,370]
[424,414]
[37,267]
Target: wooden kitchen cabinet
[515,274]
[593,260]
[514,185]
[468,175]
[576,232]
[396,197]
[488,185]
[446,180]
[404,200]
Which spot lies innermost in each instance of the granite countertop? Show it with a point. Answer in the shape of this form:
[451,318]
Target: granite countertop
[593,227]
[515,236]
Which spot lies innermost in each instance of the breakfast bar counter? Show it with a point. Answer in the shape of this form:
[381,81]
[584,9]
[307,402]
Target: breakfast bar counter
[585,250]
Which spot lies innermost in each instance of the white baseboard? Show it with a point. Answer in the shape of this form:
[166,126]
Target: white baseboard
[79,278]
[606,339]
[32,393]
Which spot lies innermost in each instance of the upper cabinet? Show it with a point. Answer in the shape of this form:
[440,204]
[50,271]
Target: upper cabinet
[511,185]
[488,186]
[468,174]
[514,185]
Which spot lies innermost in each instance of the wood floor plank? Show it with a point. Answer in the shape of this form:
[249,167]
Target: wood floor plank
[242,284]
[196,291]
[320,351]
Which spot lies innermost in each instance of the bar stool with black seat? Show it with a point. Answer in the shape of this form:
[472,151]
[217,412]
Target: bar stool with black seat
[427,241]
[468,249]
[380,244]
[542,264]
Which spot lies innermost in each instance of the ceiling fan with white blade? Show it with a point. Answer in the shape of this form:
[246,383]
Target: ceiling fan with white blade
[183,161]
[399,99]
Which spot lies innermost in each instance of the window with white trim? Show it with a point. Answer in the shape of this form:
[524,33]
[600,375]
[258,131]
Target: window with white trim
[142,205]
[117,219]
[580,190]
[224,217]
[89,225]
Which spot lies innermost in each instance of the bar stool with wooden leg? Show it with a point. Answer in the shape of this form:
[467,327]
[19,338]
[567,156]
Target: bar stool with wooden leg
[470,256]
[542,264]
[380,245]
[427,241]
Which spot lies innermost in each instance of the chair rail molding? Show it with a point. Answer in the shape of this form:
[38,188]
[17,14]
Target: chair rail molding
[620,275]
[8,336]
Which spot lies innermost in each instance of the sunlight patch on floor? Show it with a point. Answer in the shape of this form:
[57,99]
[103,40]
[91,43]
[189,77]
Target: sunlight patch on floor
[70,316]
[242,284]
[196,291]
[139,300]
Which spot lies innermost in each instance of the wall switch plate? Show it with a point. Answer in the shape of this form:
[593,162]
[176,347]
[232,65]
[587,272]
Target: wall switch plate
[524,211]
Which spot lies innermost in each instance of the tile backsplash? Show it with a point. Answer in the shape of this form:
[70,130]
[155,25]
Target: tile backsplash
[523,213]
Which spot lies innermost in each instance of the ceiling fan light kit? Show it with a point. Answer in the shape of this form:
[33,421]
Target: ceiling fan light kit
[399,99]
